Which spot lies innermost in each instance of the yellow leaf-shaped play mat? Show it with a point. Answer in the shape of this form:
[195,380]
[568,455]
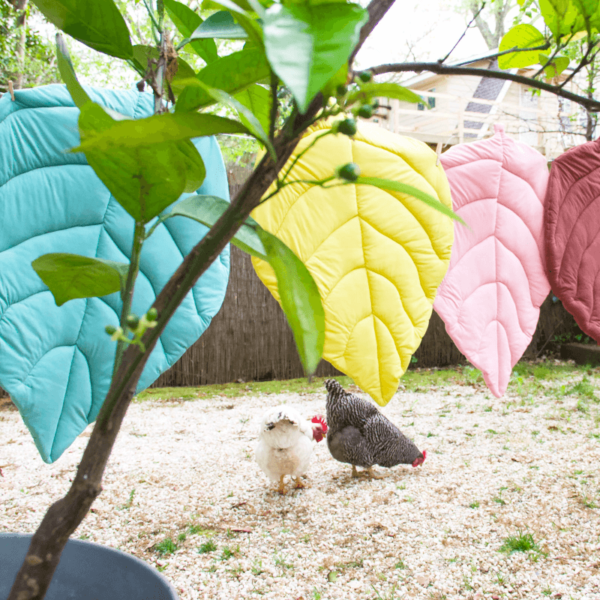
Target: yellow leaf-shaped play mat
[377,257]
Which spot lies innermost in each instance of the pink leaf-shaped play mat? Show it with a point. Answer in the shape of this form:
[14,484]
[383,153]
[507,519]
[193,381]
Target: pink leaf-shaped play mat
[572,226]
[490,299]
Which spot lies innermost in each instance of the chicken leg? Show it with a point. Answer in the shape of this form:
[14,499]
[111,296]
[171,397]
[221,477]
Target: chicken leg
[281,488]
[299,485]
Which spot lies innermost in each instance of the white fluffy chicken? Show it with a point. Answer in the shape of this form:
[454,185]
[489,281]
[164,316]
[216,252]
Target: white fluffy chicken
[285,444]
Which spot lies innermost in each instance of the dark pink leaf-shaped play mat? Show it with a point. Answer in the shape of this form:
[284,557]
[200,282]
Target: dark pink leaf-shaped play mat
[572,224]
[490,299]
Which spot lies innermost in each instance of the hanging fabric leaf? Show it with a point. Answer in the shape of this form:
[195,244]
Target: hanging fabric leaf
[376,256]
[572,227]
[491,297]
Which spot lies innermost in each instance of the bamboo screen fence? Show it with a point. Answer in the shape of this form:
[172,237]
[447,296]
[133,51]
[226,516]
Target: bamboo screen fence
[250,339]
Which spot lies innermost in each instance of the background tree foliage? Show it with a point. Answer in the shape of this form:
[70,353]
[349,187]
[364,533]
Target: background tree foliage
[26,57]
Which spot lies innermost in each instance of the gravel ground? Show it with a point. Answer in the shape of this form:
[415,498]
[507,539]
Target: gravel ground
[185,471]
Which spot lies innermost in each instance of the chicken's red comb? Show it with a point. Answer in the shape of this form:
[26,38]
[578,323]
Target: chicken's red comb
[321,420]
[424,455]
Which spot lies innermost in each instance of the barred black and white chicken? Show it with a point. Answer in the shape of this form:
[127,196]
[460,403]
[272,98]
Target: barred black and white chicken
[361,436]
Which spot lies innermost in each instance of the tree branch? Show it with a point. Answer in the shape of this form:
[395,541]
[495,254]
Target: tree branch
[377,10]
[418,67]
[463,34]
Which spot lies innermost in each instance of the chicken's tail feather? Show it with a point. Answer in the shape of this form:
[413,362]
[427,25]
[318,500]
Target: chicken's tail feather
[333,387]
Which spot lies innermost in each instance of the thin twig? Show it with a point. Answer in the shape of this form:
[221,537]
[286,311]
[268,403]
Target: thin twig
[435,67]
[274,105]
[463,34]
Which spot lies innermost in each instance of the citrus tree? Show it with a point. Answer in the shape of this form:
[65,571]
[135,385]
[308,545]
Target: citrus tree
[287,65]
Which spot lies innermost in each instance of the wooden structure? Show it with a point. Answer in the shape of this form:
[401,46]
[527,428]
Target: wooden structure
[462,109]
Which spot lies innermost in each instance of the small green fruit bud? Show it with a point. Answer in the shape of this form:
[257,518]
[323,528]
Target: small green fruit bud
[347,127]
[375,104]
[133,321]
[341,90]
[348,172]
[365,76]
[110,329]
[152,315]
[365,111]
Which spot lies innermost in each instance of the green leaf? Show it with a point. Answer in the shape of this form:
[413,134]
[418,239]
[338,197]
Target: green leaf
[409,190]
[368,91]
[97,24]
[67,73]
[307,45]
[220,25]
[187,21]
[300,300]
[157,129]
[208,209]
[340,78]
[554,67]
[246,116]
[586,8]
[561,17]
[146,178]
[232,74]
[257,99]
[520,36]
[194,165]
[70,276]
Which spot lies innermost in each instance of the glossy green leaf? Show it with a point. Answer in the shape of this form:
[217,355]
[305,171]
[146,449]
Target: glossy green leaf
[144,178]
[253,125]
[300,300]
[208,209]
[194,165]
[220,25]
[368,91]
[97,24]
[157,129]
[257,99]
[520,36]
[307,45]
[232,74]
[409,190]
[187,21]
[70,276]
[67,73]
[244,17]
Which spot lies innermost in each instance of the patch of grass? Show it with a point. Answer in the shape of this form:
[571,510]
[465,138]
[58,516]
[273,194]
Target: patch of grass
[491,431]
[207,547]
[352,564]
[166,547]
[237,390]
[228,553]
[400,565]
[587,502]
[257,568]
[282,561]
[129,502]
[181,537]
[522,542]
[474,504]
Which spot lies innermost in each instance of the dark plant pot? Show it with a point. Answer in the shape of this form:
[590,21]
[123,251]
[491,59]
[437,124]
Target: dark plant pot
[87,571]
